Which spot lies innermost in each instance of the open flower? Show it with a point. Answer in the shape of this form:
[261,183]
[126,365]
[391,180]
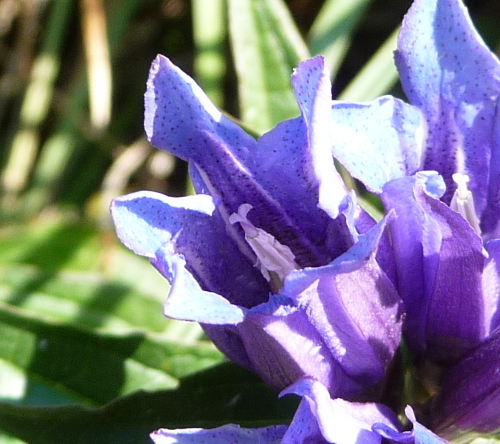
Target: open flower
[273,256]
[442,179]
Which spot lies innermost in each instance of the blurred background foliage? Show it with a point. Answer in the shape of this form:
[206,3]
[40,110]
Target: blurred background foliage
[85,353]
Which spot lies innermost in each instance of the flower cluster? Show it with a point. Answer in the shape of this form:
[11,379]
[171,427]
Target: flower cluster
[292,279]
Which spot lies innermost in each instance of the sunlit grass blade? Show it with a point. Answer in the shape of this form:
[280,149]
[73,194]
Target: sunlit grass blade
[266,47]
[333,28]
[377,77]
[220,395]
[209,32]
[36,102]
[98,62]
[68,145]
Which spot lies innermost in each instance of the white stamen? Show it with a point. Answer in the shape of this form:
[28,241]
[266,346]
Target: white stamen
[275,260]
[463,201]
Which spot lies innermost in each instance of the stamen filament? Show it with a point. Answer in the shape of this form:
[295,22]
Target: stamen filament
[275,260]
[463,201]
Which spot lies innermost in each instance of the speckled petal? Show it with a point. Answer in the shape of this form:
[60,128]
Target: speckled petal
[283,175]
[440,262]
[449,73]
[377,141]
[311,82]
[161,227]
[228,434]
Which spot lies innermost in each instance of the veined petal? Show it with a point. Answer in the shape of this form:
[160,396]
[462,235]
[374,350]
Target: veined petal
[236,169]
[469,400]
[449,73]
[284,346]
[377,141]
[160,227]
[354,307]
[227,434]
[334,420]
[440,262]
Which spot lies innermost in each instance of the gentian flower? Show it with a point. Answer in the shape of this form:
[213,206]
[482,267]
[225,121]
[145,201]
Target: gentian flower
[443,183]
[273,256]
[291,279]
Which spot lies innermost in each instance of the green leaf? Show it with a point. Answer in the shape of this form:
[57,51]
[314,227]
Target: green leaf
[333,28]
[266,47]
[209,32]
[377,77]
[78,325]
[47,361]
[224,394]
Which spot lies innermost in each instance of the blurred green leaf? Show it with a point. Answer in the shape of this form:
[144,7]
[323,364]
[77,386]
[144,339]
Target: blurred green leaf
[209,32]
[49,362]
[211,398]
[266,47]
[74,329]
[333,28]
[377,77]
[7,439]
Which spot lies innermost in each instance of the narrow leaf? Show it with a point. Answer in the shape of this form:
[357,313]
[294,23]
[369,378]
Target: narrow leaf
[333,28]
[377,77]
[266,47]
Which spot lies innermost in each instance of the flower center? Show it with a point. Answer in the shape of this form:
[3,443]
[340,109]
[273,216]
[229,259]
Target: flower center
[274,259]
[463,202]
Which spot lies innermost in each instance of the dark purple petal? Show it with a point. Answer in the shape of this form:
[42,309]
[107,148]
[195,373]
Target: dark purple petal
[336,421]
[160,227]
[440,262]
[491,285]
[469,400]
[449,73]
[284,346]
[283,176]
[354,307]
[377,141]
[227,434]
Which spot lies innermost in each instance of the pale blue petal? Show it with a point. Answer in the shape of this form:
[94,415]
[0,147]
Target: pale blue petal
[188,302]
[418,435]
[311,82]
[448,72]
[153,225]
[339,421]
[377,141]
[142,221]
[228,434]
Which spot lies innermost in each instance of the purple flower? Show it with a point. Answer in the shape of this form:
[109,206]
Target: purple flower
[453,81]
[273,256]
[441,177]
[319,420]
